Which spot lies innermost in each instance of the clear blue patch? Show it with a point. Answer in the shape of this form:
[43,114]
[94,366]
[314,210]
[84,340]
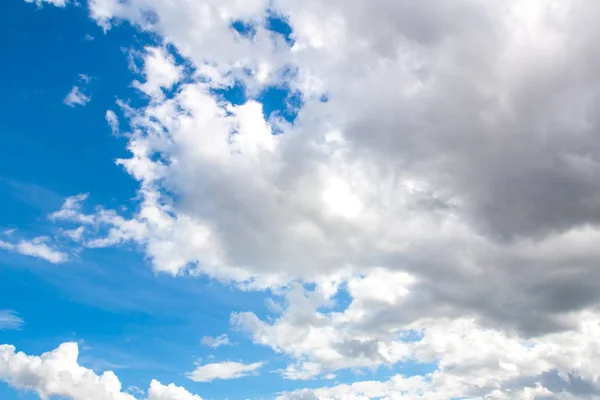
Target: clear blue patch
[411,336]
[341,299]
[245,29]
[278,24]
[280,101]
[235,94]
[412,368]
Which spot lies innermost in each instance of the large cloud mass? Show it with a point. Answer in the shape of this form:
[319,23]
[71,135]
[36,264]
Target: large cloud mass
[442,171]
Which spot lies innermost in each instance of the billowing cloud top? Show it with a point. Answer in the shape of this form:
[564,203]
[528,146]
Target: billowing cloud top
[442,172]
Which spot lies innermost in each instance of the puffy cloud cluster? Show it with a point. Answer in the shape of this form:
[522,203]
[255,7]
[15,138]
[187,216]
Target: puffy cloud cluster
[57,373]
[448,185]
[470,360]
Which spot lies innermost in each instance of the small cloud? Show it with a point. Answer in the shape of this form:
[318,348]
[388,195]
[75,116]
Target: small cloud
[10,320]
[88,37]
[75,234]
[113,121]
[36,248]
[213,342]
[223,370]
[302,371]
[57,3]
[76,98]
[71,210]
[77,95]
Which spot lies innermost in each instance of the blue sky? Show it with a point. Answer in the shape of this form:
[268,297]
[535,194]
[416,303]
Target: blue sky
[355,200]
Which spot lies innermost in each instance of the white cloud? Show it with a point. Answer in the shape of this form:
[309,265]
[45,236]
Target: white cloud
[481,363]
[449,186]
[38,248]
[58,3]
[10,320]
[75,234]
[57,373]
[215,342]
[76,98]
[160,71]
[302,371]
[324,342]
[158,391]
[113,121]
[223,370]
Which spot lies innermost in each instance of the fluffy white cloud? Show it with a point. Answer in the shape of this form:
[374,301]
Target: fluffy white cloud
[9,319]
[223,370]
[158,391]
[38,248]
[57,373]
[449,185]
[160,72]
[481,363]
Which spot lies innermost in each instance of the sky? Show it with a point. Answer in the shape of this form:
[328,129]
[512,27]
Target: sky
[299,200]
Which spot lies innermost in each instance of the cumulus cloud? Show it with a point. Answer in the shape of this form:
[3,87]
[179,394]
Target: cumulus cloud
[38,248]
[158,391]
[223,370]
[470,360]
[10,320]
[160,71]
[57,373]
[448,186]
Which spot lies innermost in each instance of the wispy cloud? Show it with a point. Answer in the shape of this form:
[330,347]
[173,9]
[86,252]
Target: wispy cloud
[57,3]
[10,320]
[77,95]
[215,342]
[36,247]
[76,98]
[113,121]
